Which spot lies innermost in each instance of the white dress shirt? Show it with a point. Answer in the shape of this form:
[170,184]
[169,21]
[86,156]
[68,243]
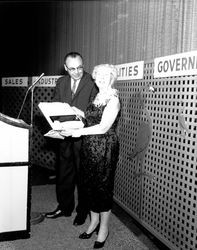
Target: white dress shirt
[77,84]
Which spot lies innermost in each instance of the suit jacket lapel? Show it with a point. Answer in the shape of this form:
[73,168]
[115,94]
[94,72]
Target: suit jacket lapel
[67,90]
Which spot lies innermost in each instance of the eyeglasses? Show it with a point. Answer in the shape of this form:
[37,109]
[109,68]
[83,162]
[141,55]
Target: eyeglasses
[79,68]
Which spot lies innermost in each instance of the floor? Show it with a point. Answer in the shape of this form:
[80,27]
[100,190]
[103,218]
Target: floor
[43,176]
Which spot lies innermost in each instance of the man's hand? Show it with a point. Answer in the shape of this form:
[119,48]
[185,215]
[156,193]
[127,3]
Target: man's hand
[66,133]
[57,125]
[76,133]
[78,112]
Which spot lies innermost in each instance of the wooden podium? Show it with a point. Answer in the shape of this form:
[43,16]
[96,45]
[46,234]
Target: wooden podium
[15,188]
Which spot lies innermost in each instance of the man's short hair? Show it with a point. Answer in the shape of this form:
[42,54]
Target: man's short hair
[73,55]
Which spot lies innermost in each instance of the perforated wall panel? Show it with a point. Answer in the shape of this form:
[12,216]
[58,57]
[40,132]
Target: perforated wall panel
[156,178]
[44,148]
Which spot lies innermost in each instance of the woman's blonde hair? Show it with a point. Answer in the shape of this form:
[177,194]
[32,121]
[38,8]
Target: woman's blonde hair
[106,69]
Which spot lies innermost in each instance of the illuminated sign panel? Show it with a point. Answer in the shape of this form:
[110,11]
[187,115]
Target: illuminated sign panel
[14,81]
[46,81]
[176,65]
[130,71]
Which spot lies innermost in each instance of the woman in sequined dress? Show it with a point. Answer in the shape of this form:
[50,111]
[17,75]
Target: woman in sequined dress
[100,152]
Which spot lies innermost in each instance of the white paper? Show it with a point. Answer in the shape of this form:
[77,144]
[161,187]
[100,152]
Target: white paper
[59,109]
[56,108]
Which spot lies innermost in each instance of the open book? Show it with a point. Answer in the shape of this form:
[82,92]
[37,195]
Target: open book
[60,116]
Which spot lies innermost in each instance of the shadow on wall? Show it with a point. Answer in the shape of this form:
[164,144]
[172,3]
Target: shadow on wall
[138,125]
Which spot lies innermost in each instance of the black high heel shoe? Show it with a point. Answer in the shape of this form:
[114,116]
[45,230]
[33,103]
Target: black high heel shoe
[85,236]
[98,244]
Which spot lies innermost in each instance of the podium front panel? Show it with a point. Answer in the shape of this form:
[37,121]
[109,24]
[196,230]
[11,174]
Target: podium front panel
[13,198]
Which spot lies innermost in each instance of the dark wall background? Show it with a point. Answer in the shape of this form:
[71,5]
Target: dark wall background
[35,35]
[25,28]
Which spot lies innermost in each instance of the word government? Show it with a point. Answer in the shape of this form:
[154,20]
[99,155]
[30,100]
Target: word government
[178,64]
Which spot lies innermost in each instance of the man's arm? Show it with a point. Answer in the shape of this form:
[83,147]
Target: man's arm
[56,94]
[93,92]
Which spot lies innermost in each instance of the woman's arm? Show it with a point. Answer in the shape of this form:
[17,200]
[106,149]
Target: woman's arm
[109,115]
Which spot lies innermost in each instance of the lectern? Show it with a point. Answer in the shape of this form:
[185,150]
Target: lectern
[14,179]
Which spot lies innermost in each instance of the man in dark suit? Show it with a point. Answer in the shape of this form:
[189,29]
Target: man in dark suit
[77,89]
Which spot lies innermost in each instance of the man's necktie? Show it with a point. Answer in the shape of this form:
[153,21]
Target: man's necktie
[74,87]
